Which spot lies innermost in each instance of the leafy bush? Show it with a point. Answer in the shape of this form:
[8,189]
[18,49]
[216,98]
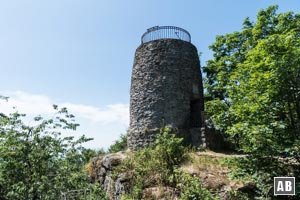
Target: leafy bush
[36,162]
[237,195]
[157,165]
[191,187]
[119,145]
[95,193]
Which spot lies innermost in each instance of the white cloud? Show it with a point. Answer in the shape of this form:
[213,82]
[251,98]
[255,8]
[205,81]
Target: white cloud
[26,103]
[35,104]
[103,124]
[111,113]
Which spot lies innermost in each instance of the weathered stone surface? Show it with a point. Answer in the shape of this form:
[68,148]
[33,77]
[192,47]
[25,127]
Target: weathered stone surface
[112,160]
[122,184]
[166,89]
[103,173]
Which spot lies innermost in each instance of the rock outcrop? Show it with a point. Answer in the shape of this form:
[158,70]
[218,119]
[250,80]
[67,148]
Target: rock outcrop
[102,171]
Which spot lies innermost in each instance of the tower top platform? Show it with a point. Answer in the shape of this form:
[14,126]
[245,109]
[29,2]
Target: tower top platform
[165,32]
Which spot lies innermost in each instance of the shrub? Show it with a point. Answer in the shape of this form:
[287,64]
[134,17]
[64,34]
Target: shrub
[158,164]
[119,145]
[191,188]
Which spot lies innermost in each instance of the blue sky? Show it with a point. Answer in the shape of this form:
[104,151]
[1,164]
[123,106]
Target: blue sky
[79,53]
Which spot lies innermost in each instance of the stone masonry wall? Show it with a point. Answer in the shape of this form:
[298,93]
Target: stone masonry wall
[166,89]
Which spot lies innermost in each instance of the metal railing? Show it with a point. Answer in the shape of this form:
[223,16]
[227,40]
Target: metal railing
[164,32]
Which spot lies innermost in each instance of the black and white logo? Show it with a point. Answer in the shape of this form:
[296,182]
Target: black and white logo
[284,185]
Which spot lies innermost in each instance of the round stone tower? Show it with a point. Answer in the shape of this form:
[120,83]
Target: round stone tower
[166,87]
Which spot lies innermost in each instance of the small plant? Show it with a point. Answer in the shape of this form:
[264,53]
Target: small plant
[158,165]
[95,193]
[119,145]
[169,148]
[154,165]
[191,188]
[237,195]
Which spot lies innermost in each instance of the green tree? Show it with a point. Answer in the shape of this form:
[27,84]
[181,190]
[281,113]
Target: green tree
[119,145]
[253,92]
[36,162]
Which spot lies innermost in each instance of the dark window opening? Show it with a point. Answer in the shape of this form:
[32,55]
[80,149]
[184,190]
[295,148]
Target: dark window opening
[195,115]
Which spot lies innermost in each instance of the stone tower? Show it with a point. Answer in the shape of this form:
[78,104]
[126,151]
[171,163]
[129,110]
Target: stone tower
[166,88]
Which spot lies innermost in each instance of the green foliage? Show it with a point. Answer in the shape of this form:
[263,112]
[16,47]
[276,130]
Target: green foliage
[95,193]
[36,162]
[155,164]
[191,187]
[169,149]
[158,164]
[253,92]
[237,195]
[119,145]
[91,192]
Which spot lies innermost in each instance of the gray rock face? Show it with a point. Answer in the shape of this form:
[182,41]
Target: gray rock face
[103,174]
[166,89]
